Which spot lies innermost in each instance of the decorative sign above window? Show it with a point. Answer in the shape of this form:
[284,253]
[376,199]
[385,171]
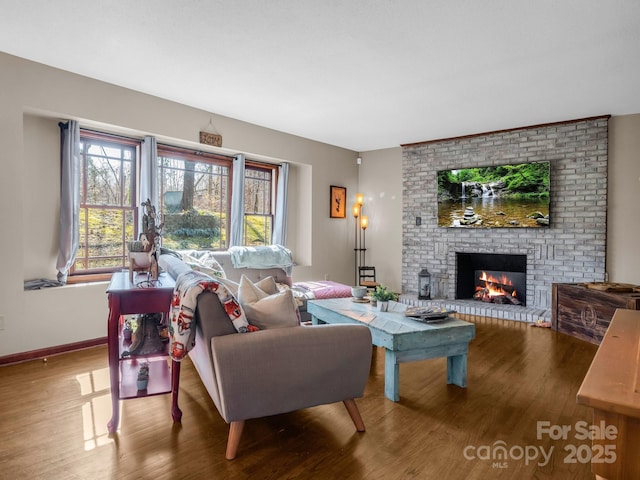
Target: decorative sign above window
[211,139]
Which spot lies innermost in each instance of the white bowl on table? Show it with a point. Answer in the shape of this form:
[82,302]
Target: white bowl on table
[359,292]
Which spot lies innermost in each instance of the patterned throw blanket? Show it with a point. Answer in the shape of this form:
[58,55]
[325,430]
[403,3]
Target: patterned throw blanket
[189,285]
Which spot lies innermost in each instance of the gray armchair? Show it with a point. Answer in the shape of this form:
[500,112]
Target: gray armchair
[258,374]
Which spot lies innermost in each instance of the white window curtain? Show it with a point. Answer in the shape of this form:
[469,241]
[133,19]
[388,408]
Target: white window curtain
[69,198]
[237,202]
[148,176]
[279,235]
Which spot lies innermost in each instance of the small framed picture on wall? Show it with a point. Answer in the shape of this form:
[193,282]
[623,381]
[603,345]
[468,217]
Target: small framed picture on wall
[338,200]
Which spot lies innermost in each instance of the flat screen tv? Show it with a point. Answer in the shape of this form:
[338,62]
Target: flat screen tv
[510,196]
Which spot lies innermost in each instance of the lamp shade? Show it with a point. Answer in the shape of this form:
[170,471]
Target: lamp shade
[360,199]
[364,222]
[356,210]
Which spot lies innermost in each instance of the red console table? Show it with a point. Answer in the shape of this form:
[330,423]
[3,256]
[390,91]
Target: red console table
[137,297]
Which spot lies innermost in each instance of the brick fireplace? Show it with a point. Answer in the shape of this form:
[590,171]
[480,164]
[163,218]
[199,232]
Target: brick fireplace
[571,250]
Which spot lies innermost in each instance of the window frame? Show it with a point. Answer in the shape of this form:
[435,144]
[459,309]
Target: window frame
[97,274]
[273,169]
[192,155]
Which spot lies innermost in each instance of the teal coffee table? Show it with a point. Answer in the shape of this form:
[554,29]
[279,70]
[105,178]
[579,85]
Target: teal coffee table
[403,338]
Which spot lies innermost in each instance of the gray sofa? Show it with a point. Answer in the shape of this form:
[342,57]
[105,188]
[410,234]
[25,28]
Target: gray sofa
[273,371]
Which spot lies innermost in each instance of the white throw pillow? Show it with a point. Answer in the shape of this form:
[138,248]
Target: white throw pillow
[265,310]
[267,285]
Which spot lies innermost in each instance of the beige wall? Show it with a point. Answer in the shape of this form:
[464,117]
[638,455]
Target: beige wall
[33,98]
[623,216]
[380,180]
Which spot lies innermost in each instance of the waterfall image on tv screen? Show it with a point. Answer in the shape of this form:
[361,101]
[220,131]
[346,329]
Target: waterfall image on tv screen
[510,196]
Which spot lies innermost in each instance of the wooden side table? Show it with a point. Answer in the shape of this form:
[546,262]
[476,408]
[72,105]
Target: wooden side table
[138,297]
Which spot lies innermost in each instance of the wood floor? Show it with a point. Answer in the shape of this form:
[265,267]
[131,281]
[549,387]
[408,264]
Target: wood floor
[53,420]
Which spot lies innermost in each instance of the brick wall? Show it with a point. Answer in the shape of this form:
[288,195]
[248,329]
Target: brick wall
[571,250]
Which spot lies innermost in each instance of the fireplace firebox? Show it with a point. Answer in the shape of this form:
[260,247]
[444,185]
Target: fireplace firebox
[492,277]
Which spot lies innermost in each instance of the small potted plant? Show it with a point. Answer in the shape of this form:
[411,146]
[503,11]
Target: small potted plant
[143,376]
[382,295]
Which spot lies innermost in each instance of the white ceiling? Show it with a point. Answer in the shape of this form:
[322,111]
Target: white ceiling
[360,74]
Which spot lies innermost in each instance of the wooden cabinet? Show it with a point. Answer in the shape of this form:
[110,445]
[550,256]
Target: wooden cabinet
[584,312]
[128,297]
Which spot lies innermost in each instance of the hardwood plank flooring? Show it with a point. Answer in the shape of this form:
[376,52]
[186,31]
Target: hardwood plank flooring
[53,420]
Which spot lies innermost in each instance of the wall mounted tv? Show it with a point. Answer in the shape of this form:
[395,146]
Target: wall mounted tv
[510,196]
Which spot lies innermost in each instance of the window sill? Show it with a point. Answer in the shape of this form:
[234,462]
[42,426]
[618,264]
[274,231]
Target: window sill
[90,278]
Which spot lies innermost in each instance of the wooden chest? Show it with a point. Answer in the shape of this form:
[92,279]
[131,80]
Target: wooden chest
[584,312]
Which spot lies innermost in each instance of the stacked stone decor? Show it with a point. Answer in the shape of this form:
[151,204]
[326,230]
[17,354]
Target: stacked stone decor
[571,250]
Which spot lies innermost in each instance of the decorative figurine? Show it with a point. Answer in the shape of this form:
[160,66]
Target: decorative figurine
[143,253]
[150,237]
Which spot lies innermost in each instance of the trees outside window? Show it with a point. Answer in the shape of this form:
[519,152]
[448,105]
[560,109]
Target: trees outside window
[258,204]
[107,196]
[194,191]
[194,198]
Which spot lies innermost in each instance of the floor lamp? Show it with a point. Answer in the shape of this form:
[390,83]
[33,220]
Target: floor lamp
[361,222]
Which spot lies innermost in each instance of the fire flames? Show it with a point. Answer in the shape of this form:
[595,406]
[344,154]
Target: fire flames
[496,289]
[494,286]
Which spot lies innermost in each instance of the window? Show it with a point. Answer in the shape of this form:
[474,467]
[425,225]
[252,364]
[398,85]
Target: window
[258,204]
[194,191]
[107,202]
[194,198]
